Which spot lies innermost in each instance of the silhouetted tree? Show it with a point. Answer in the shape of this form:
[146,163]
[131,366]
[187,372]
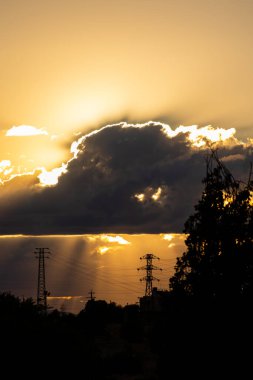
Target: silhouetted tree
[219,257]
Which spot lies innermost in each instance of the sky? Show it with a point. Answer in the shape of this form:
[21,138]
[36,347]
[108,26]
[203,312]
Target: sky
[108,111]
[105,264]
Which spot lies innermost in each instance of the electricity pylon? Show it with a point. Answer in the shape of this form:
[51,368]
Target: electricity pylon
[149,267]
[42,293]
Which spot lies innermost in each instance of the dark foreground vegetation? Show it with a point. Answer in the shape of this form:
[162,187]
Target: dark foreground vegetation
[106,341]
[202,329]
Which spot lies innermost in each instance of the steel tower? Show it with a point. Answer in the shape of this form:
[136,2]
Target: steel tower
[42,254]
[149,267]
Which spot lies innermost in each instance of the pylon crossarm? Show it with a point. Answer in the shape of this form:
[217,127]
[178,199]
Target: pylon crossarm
[153,267]
[142,268]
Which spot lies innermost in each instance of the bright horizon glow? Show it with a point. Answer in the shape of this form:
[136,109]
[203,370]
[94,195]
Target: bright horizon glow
[114,239]
[110,269]
[168,237]
[67,298]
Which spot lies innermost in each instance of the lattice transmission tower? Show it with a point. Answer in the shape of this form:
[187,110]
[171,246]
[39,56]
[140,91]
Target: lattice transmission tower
[41,254]
[149,267]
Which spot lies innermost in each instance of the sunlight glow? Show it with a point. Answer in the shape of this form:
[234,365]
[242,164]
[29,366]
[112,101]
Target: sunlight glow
[140,197]
[157,194]
[103,243]
[50,178]
[103,250]
[25,130]
[63,297]
[149,194]
[4,164]
[168,237]
[227,198]
[46,178]
[74,146]
[7,171]
[251,198]
[5,168]
[175,237]
[199,137]
[114,239]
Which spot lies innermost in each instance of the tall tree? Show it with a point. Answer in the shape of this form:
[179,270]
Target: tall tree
[219,257]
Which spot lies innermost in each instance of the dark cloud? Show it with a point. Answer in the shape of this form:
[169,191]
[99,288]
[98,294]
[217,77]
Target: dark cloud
[124,179]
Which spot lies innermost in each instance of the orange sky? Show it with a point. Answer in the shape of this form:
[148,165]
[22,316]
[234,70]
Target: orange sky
[66,65]
[71,66]
[105,263]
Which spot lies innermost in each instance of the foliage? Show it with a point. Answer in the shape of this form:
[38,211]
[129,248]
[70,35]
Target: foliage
[219,257]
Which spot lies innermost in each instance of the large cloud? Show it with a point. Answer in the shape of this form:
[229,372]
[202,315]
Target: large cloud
[125,178]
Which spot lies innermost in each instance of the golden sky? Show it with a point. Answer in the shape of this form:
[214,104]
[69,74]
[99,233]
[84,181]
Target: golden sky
[68,64]
[105,263]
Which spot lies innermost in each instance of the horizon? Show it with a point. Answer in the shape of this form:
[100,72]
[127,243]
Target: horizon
[77,266]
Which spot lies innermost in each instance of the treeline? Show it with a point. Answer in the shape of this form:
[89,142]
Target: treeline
[107,341]
[98,343]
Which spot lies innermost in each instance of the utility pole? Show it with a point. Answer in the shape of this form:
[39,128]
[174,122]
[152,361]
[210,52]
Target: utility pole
[41,254]
[149,267]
